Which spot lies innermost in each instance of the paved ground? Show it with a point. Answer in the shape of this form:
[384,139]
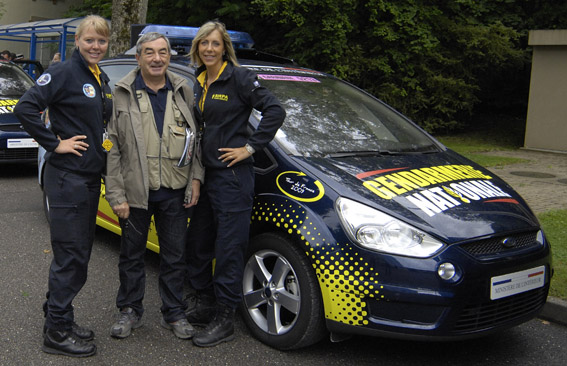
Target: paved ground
[541,180]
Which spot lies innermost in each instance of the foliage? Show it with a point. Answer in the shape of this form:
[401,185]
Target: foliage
[554,224]
[424,58]
[439,62]
[99,7]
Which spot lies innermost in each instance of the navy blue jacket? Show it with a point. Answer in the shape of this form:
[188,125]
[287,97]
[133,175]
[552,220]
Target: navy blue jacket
[228,104]
[77,105]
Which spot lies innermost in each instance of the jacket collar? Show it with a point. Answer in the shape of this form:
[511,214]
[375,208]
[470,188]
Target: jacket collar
[77,57]
[127,81]
[225,73]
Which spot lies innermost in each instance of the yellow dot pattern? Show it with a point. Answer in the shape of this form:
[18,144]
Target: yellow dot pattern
[345,278]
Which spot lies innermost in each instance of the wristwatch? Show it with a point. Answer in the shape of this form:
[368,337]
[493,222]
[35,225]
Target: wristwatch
[250,149]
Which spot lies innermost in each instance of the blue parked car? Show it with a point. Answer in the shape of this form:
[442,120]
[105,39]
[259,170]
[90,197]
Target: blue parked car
[365,224]
[16,145]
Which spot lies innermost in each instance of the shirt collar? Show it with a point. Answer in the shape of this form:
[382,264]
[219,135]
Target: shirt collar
[141,84]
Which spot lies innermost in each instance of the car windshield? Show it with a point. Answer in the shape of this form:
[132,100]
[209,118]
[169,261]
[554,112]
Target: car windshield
[328,117]
[14,82]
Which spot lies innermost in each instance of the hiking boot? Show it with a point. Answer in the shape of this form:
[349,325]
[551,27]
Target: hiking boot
[220,329]
[181,328]
[127,320]
[81,332]
[203,311]
[66,343]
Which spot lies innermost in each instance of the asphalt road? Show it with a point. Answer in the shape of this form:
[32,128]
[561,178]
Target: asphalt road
[24,261]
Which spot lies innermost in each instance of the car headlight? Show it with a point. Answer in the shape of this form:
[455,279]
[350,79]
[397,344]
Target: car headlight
[377,231]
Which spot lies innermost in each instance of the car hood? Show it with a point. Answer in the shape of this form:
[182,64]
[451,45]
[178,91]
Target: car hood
[442,193]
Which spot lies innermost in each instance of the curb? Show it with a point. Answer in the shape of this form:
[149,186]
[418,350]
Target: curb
[555,310]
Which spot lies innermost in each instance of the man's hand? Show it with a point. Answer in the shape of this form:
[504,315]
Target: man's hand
[122,210]
[233,155]
[195,193]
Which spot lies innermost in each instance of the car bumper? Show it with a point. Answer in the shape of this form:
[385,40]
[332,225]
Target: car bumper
[410,301]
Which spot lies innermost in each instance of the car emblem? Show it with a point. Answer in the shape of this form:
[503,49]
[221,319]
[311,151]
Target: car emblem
[508,242]
[21,127]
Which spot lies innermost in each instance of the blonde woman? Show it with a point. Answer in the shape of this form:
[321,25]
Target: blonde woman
[225,95]
[79,100]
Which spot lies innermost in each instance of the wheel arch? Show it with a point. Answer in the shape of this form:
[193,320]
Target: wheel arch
[342,271]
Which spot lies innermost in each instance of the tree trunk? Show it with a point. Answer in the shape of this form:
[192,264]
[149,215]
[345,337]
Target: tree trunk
[124,14]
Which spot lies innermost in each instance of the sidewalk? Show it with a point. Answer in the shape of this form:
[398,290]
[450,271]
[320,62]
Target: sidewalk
[542,182]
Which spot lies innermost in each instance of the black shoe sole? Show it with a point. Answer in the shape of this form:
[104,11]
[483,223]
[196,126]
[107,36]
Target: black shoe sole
[54,351]
[225,339]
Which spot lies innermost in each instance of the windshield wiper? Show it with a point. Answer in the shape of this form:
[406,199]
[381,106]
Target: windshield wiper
[345,154]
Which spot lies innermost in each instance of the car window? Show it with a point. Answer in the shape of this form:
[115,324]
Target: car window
[116,72]
[326,116]
[14,82]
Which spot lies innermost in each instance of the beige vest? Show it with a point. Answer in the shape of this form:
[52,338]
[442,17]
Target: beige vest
[164,153]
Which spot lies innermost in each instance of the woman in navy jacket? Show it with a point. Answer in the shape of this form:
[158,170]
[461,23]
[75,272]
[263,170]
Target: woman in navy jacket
[225,95]
[79,100]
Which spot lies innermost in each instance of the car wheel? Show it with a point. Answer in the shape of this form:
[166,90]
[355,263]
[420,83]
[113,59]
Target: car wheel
[46,205]
[282,303]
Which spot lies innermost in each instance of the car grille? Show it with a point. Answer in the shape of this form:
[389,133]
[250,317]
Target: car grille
[489,314]
[18,154]
[492,246]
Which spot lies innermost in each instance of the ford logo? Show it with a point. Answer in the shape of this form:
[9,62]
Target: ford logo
[508,242]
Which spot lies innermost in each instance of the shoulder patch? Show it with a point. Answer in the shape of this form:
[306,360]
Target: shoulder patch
[44,79]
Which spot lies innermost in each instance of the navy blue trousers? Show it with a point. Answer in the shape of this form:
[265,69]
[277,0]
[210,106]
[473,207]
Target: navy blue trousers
[171,224]
[219,228]
[73,204]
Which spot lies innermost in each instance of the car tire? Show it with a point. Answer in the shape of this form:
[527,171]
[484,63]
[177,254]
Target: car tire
[282,303]
[46,206]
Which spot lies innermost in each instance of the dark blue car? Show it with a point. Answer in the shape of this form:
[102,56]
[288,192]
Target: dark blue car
[16,145]
[365,224]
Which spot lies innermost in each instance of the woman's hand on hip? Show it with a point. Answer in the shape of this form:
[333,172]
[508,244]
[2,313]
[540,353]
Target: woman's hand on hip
[233,155]
[73,145]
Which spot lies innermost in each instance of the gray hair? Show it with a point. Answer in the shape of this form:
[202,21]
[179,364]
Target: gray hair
[150,37]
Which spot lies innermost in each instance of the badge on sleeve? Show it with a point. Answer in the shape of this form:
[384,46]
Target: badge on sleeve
[44,79]
[89,90]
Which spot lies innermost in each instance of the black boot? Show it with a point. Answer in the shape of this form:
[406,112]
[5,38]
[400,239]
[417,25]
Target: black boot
[66,343]
[220,329]
[203,311]
[84,333]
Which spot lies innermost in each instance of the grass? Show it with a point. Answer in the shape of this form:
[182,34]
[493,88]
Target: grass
[477,147]
[554,225]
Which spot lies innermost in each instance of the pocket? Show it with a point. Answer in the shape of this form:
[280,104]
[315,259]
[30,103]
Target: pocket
[64,222]
[176,141]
